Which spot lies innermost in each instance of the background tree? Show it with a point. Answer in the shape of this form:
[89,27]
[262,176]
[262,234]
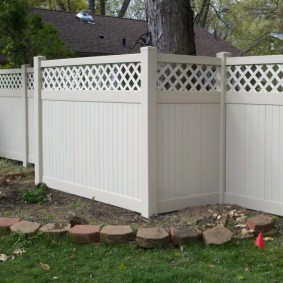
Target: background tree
[91,5]
[23,35]
[124,8]
[239,22]
[171,26]
[102,4]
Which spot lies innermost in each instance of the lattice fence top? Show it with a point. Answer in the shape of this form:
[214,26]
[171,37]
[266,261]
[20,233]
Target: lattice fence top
[123,76]
[10,81]
[255,78]
[30,81]
[186,77]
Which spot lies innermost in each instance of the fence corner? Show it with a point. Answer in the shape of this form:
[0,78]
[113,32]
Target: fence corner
[222,79]
[149,131]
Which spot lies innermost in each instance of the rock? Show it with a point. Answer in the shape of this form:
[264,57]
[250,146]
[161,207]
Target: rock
[217,235]
[260,223]
[25,227]
[184,235]
[117,234]
[84,234]
[7,222]
[53,229]
[152,238]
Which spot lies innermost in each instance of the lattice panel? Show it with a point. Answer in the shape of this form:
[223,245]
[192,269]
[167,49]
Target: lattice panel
[255,78]
[30,81]
[124,76]
[10,81]
[186,77]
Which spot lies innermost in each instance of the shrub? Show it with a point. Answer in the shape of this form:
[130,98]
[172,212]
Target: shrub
[38,194]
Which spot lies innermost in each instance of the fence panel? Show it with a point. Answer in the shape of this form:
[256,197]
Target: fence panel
[11,114]
[91,135]
[188,131]
[254,148]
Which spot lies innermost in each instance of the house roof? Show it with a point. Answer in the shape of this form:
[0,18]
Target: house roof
[208,45]
[107,34]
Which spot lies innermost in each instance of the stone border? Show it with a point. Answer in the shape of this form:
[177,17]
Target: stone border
[123,234]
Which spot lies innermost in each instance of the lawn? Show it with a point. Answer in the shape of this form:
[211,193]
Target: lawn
[237,261]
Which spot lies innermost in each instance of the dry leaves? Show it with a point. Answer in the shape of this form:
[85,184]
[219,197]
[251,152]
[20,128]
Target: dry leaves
[19,252]
[44,266]
[3,257]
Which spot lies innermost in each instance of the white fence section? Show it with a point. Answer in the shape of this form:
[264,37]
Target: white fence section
[11,114]
[16,114]
[91,128]
[255,133]
[150,132]
[188,100]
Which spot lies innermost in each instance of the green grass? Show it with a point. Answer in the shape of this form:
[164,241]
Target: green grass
[69,262]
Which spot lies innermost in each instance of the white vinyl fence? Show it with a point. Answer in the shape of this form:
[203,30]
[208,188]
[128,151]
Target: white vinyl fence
[255,132]
[150,132]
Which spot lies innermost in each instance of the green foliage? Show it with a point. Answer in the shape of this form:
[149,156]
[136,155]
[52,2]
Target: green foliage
[68,5]
[37,194]
[12,27]
[44,39]
[241,23]
[268,46]
[23,35]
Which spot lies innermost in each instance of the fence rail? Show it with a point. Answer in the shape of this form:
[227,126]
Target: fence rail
[150,132]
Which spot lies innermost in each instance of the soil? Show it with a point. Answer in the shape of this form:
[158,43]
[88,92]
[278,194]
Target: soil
[64,208]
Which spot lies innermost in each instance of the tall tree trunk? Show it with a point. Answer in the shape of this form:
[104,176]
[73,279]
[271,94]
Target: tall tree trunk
[69,5]
[91,5]
[102,7]
[124,8]
[171,25]
[61,5]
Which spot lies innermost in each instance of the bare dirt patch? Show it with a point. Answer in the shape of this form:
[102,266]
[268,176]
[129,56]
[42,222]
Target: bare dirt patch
[63,207]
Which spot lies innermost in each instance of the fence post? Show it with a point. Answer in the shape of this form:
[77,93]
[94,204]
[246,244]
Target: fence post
[37,120]
[149,130]
[222,79]
[25,114]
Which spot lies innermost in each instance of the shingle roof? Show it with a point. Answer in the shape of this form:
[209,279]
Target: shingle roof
[103,37]
[208,45]
[106,35]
